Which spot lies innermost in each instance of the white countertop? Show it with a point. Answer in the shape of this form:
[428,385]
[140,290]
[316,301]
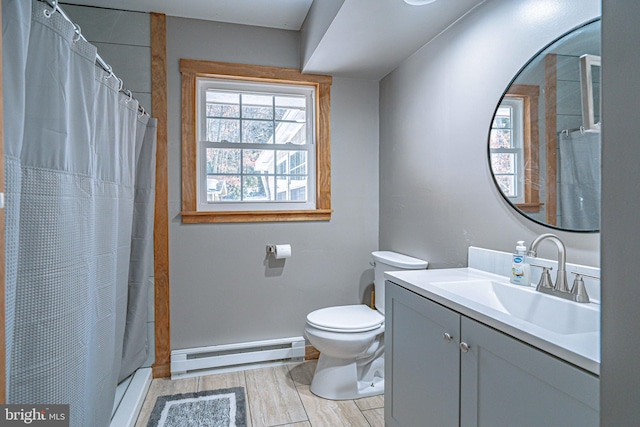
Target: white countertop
[580,349]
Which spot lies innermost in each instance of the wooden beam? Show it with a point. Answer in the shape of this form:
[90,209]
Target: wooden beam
[162,365]
[551,107]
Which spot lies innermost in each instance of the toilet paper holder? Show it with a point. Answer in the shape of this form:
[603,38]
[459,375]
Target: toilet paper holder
[279,251]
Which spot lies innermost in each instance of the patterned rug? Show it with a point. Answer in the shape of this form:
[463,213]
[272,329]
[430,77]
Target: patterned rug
[211,408]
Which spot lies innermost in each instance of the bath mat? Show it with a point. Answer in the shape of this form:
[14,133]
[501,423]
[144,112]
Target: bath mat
[211,408]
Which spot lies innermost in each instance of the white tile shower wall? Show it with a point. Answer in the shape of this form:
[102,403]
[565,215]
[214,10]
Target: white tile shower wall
[500,263]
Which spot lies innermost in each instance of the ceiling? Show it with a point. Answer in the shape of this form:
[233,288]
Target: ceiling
[284,14]
[359,38]
[369,38]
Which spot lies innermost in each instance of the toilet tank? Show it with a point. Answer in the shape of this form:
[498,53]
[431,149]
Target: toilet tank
[391,261]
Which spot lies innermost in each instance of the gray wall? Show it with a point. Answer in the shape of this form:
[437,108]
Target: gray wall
[619,373]
[221,290]
[319,19]
[437,195]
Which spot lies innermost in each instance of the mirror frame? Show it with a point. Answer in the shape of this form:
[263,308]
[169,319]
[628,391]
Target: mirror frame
[530,98]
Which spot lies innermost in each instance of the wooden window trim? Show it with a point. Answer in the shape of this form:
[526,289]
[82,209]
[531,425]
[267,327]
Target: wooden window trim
[531,145]
[192,69]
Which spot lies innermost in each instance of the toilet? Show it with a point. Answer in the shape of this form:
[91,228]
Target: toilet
[350,339]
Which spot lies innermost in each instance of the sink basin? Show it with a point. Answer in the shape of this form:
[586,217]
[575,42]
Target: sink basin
[554,314]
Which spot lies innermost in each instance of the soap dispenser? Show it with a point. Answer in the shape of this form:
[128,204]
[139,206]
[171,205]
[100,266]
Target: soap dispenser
[520,270]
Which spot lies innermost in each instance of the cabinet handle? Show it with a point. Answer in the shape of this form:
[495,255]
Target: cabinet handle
[447,337]
[464,347]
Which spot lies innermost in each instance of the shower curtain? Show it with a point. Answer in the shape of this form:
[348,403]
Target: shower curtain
[79,162]
[579,180]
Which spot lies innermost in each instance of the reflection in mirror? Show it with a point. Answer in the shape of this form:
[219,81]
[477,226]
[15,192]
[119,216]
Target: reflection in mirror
[590,81]
[544,141]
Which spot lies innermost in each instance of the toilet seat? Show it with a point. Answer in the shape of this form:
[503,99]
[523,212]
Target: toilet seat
[346,318]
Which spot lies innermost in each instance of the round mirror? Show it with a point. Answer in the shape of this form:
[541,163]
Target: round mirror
[544,141]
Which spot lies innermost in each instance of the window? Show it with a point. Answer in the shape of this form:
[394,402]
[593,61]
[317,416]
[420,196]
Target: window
[255,144]
[506,143]
[514,147]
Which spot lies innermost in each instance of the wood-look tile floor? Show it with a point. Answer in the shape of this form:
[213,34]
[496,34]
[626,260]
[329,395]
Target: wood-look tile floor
[277,396]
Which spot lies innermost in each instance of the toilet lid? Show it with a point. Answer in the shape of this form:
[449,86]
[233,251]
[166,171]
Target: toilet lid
[346,318]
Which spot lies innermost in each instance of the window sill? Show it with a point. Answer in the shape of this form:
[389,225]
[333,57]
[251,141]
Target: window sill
[529,207]
[195,217]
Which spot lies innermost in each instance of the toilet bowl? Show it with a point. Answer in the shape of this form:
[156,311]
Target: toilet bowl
[350,339]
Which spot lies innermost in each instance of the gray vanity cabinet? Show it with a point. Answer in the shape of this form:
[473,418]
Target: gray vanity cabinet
[422,369]
[505,382]
[482,377]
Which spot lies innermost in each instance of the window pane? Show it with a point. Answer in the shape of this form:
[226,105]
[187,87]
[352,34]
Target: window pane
[291,133]
[223,130]
[257,161]
[504,110]
[282,190]
[282,163]
[507,184]
[291,188]
[298,188]
[222,160]
[223,188]
[257,106]
[257,132]
[298,163]
[502,163]
[501,122]
[257,187]
[223,104]
[291,162]
[291,108]
[500,138]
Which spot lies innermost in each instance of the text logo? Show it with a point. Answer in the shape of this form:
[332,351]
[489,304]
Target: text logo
[34,415]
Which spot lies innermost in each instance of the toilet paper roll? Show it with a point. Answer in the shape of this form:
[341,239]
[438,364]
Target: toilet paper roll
[283,251]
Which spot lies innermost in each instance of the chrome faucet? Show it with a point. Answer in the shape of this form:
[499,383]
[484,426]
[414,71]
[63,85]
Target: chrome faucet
[560,288]
[561,277]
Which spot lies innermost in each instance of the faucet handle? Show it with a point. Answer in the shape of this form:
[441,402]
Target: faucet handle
[585,275]
[545,277]
[578,289]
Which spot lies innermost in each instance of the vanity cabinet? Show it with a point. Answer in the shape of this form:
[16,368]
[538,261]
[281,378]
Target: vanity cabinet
[422,370]
[443,369]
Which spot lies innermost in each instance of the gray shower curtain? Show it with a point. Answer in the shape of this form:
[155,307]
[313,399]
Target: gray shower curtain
[79,162]
[579,180]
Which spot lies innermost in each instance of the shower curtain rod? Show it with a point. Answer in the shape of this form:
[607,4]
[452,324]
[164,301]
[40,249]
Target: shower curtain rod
[56,8]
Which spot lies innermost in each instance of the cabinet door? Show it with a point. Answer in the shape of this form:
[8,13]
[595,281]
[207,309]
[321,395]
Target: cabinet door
[505,382]
[422,382]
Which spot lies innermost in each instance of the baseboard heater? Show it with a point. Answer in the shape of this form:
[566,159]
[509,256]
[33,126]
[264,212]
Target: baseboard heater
[234,357]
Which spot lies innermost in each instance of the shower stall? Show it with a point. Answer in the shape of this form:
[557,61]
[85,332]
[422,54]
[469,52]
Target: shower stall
[80,173]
